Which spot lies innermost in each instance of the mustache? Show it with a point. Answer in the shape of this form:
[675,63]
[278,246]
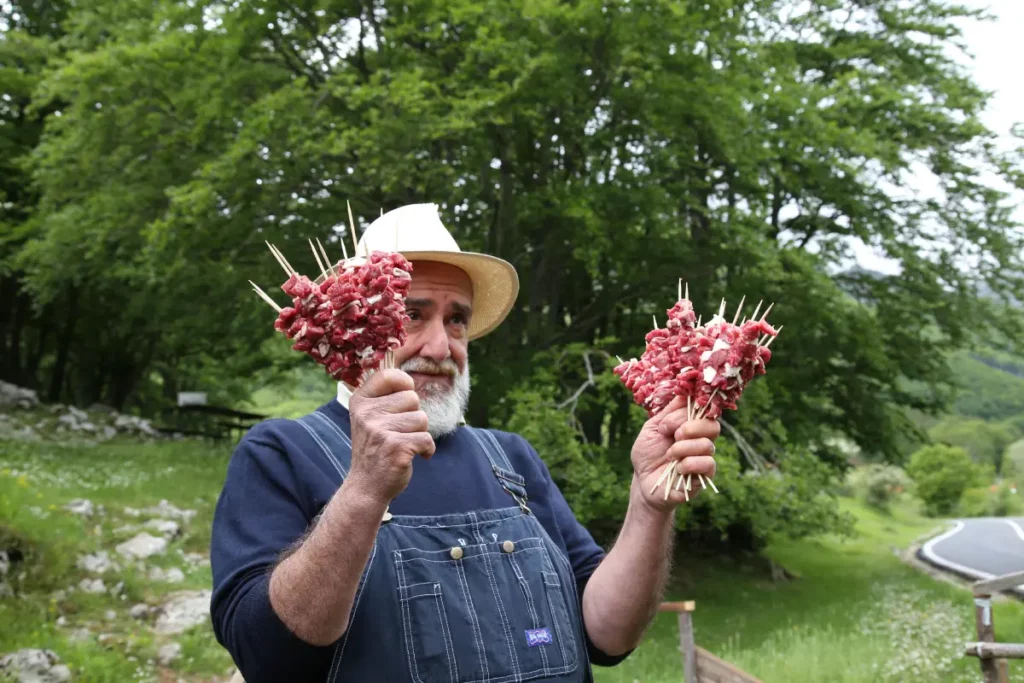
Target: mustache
[447,367]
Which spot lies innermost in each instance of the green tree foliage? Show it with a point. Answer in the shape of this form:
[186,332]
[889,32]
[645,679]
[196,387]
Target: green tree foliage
[604,148]
[984,390]
[985,442]
[878,484]
[941,475]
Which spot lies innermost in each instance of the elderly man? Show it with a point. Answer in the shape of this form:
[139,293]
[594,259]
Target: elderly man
[381,539]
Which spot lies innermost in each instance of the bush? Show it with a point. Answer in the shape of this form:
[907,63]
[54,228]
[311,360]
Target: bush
[942,474]
[878,485]
[994,501]
[985,442]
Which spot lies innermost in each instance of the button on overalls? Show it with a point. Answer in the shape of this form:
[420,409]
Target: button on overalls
[482,596]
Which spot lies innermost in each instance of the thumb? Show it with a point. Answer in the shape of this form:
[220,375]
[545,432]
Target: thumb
[385,383]
[675,404]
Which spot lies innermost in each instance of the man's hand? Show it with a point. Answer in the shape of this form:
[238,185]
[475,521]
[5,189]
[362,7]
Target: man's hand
[669,436]
[388,431]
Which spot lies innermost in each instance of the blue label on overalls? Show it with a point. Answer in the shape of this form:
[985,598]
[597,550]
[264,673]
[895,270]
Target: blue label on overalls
[538,636]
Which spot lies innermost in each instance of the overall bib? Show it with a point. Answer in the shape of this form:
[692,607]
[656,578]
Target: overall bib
[474,597]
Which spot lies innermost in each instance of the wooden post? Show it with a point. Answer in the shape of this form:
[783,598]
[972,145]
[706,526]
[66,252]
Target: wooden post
[686,641]
[992,670]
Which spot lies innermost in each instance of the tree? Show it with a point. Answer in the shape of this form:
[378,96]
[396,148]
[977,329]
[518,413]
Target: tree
[942,474]
[985,442]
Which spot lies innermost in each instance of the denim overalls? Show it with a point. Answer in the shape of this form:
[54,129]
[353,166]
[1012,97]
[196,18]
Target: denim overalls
[462,598]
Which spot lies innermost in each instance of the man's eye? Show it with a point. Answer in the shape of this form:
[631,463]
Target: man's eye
[458,319]
[413,314]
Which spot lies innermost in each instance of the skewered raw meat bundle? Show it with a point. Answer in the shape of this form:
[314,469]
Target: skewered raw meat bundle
[353,317]
[708,364]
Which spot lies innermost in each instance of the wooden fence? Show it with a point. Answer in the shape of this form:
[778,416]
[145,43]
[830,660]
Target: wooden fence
[699,665]
[990,654]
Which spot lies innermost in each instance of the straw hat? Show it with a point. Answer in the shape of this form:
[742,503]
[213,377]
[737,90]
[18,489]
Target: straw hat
[416,231]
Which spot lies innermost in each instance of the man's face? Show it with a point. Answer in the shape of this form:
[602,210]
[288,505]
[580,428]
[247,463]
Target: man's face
[435,355]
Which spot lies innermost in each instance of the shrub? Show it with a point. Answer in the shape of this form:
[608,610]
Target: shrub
[942,474]
[994,501]
[878,485]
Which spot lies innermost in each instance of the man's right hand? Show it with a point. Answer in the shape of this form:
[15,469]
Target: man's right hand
[388,431]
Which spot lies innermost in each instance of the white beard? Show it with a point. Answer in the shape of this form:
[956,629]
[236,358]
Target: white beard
[445,408]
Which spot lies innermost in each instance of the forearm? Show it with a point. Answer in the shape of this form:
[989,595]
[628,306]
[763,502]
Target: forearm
[312,591]
[622,595]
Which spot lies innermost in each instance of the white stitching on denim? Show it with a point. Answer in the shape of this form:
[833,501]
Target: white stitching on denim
[548,590]
[449,645]
[504,619]
[575,593]
[334,426]
[407,630]
[529,605]
[501,451]
[486,450]
[327,451]
[473,621]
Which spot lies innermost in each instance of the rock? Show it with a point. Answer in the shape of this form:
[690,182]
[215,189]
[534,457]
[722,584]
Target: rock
[77,413]
[26,433]
[12,396]
[68,421]
[81,506]
[166,510]
[80,635]
[58,595]
[132,512]
[109,432]
[35,666]
[62,621]
[139,611]
[96,563]
[38,512]
[92,586]
[197,559]
[110,615]
[172,575]
[167,527]
[142,546]
[87,427]
[101,408]
[132,424]
[5,591]
[184,610]
[168,653]
[118,588]
[126,529]
[5,563]
[105,638]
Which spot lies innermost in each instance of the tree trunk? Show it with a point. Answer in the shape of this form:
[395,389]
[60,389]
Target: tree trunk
[60,366]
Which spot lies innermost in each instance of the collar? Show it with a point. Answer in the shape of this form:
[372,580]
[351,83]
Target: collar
[344,394]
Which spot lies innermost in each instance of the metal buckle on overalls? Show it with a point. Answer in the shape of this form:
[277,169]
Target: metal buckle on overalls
[521,501]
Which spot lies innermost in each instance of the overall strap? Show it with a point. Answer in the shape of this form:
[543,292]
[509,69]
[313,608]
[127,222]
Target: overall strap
[335,444]
[510,480]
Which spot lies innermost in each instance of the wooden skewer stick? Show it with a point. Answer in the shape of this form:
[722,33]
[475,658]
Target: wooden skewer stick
[713,487]
[767,310]
[699,318]
[655,319]
[281,254]
[687,291]
[686,493]
[618,358]
[330,266]
[319,263]
[689,408]
[757,310]
[263,295]
[700,478]
[738,309]
[664,473]
[777,332]
[688,482]
[352,227]
[679,295]
[721,309]
[700,414]
[668,482]
[280,262]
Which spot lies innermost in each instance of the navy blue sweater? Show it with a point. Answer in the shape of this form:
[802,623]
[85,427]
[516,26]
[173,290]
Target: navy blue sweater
[278,481]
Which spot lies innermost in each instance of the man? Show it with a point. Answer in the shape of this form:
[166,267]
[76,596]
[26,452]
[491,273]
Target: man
[381,539]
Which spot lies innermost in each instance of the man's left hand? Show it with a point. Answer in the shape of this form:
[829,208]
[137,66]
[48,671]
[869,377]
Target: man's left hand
[670,437]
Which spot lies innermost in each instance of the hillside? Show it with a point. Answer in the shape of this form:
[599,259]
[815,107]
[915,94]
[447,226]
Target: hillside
[991,384]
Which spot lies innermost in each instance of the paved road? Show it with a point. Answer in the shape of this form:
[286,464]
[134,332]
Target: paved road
[979,548]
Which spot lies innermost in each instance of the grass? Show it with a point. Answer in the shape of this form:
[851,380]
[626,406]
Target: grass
[855,614]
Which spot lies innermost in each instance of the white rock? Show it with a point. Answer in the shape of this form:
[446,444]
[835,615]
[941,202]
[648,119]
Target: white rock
[109,432]
[87,427]
[79,414]
[110,615]
[172,575]
[5,563]
[58,595]
[81,506]
[118,589]
[126,529]
[142,546]
[80,634]
[96,563]
[166,510]
[168,653]
[139,611]
[35,666]
[132,512]
[197,559]
[167,527]
[12,396]
[68,421]
[184,610]
[92,586]
[104,637]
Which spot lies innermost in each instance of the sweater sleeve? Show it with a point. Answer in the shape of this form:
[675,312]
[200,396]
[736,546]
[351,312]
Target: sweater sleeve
[583,551]
[258,516]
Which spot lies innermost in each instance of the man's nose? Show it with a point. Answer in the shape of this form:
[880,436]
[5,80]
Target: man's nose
[435,343]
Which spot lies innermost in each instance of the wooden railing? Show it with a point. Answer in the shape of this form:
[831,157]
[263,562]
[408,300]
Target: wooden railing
[990,654]
[699,665]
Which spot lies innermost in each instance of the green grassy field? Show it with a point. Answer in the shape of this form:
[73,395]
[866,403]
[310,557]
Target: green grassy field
[856,613]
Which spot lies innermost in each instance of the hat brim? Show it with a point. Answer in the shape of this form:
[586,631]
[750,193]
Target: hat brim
[495,285]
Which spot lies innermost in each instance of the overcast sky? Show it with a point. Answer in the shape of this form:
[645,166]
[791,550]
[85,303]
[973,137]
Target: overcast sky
[998,67]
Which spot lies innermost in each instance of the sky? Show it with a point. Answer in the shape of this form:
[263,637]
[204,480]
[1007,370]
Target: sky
[998,60]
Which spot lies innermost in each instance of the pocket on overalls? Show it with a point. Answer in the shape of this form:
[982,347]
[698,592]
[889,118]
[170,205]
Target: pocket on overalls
[501,607]
[425,627]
